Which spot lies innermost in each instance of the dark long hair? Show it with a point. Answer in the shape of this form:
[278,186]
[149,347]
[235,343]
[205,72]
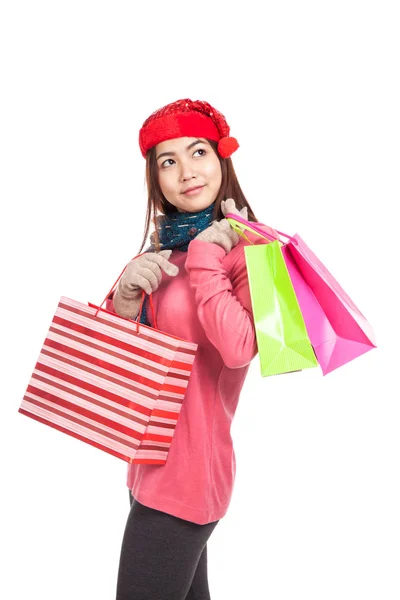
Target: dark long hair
[157,203]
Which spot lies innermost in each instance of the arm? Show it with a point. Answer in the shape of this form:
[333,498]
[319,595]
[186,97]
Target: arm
[223,306]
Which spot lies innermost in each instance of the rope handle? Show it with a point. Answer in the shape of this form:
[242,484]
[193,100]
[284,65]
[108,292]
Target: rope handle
[234,219]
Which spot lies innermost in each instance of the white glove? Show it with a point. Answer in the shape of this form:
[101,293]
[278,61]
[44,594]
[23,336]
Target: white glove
[141,273]
[221,232]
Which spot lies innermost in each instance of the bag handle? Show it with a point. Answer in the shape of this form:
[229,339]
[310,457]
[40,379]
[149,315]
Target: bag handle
[234,219]
[141,303]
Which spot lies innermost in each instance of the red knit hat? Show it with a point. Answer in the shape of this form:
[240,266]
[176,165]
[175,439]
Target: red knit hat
[187,118]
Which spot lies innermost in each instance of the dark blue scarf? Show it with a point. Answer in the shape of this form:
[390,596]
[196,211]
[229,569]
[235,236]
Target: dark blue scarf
[176,230]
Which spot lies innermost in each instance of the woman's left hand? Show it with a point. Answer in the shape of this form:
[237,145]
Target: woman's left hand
[221,232]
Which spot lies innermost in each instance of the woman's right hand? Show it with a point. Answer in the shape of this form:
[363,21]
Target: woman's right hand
[141,273]
[144,273]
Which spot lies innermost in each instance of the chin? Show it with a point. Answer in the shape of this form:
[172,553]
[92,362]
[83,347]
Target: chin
[197,206]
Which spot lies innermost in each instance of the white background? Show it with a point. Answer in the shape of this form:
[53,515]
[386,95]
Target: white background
[311,91]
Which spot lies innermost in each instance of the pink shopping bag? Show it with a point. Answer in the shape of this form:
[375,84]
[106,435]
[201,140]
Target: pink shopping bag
[337,329]
[111,382]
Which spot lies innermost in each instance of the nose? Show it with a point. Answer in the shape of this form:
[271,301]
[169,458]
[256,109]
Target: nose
[187,170]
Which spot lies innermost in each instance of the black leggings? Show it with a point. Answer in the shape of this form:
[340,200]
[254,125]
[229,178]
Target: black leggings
[162,557]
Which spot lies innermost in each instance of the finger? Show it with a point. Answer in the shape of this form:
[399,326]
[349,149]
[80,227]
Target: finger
[230,236]
[223,225]
[234,235]
[163,262]
[152,273]
[144,283]
[230,206]
[224,208]
[243,212]
[226,226]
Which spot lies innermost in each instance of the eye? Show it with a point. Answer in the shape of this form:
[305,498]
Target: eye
[163,165]
[169,161]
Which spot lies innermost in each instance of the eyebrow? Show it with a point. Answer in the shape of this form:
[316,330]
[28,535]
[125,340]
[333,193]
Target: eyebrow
[188,148]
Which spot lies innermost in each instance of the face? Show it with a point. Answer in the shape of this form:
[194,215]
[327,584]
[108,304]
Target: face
[185,163]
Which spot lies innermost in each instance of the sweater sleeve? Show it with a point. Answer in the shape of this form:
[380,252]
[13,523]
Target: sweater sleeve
[223,306]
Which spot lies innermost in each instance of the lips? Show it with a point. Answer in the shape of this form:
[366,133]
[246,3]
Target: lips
[197,187]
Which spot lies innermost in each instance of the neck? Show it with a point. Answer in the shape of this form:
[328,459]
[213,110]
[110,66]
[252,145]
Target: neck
[178,229]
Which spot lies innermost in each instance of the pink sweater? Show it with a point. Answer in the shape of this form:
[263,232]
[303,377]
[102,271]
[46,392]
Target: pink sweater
[208,303]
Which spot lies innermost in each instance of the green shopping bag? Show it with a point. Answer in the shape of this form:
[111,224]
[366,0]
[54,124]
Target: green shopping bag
[282,339]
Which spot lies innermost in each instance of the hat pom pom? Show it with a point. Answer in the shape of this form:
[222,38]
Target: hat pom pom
[227,146]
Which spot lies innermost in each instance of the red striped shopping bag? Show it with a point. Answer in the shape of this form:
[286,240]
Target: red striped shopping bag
[111,382]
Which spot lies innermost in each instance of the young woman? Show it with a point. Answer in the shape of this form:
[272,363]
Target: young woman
[195,268]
